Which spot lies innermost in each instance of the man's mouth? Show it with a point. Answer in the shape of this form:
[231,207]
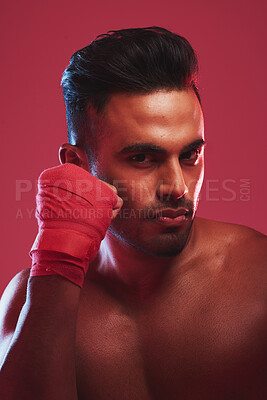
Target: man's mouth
[170,217]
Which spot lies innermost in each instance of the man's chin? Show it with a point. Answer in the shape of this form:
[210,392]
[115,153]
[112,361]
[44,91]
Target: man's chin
[167,244]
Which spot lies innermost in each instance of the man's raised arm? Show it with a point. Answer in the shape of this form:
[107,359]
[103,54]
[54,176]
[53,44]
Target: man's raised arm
[38,312]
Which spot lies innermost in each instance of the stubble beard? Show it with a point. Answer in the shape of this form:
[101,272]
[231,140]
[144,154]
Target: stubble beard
[168,243]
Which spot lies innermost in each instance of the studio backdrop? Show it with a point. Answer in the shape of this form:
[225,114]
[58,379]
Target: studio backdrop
[37,41]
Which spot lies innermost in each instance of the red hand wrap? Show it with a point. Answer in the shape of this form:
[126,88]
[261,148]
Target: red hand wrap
[74,211]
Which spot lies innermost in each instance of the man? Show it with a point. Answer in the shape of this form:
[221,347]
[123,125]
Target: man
[172,306]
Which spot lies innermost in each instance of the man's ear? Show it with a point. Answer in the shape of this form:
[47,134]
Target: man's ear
[69,153]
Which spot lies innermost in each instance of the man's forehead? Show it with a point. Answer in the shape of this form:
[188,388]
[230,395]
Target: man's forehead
[161,106]
[165,119]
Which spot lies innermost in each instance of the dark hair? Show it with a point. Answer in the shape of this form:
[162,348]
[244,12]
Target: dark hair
[139,60]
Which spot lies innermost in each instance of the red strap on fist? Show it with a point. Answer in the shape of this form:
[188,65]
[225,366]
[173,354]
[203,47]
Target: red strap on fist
[73,210]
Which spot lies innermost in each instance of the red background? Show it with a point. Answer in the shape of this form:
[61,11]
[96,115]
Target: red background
[38,38]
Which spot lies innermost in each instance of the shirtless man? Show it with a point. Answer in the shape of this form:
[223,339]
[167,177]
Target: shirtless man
[172,306]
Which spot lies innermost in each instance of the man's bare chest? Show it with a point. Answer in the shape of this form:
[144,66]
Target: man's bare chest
[171,349]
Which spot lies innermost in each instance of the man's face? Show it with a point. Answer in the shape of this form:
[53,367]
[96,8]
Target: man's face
[153,154]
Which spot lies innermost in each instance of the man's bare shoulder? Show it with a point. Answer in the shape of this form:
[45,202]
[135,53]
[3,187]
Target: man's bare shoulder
[243,249]
[12,301]
[235,234]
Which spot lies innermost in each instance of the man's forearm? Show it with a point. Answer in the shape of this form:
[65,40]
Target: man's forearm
[40,361]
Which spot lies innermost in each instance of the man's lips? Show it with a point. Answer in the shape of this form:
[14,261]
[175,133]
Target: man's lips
[171,218]
[169,213]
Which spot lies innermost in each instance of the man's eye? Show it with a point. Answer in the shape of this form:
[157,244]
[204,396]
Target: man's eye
[141,158]
[191,156]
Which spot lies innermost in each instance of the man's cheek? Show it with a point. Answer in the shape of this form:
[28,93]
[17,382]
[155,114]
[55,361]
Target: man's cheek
[194,184]
[133,191]
[142,192]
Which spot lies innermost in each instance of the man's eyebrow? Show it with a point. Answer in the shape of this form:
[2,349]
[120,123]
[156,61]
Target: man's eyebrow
[142,148]
[152,148]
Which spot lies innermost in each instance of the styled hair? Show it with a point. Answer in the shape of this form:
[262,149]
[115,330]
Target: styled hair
[137,61]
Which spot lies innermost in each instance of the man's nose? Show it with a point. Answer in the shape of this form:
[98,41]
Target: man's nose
[171,185]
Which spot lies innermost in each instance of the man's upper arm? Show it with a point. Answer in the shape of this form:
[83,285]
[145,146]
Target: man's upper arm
[11,304]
